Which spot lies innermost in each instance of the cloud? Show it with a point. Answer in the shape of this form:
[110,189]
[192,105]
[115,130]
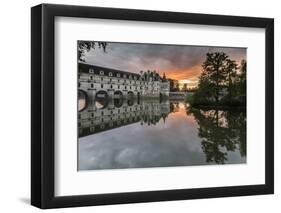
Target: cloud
[177,61]
[165,144]
[174,142]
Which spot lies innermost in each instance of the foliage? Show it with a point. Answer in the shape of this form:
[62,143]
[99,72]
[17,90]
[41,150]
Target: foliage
[222,132]
[221,83]
[189,97]
[86,46]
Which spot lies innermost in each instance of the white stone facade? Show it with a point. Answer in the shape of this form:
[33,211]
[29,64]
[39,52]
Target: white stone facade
[115,83]
[93,120]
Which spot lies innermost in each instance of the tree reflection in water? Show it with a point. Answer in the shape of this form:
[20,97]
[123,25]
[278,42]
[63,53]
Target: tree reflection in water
[176,134]
[221,131]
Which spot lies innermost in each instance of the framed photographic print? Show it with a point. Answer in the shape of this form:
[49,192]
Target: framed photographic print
[139,106]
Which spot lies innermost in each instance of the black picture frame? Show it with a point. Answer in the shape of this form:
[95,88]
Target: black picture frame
[43,102]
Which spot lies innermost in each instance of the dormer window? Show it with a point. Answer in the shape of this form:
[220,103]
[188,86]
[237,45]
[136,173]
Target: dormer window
[101,72]
[110,74]
[118,75]
[91,70]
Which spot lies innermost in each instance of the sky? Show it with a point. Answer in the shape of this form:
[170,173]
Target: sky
[179,62]
[151,147]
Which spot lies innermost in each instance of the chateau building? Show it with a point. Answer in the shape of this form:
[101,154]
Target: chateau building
[115,114]
[101,82]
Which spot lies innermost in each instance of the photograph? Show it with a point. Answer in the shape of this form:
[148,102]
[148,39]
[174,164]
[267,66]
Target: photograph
[143,105]
[134,105]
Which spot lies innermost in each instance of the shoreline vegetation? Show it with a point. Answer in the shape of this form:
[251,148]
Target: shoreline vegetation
[222,83]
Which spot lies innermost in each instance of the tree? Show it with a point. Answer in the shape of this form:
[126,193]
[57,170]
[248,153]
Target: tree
[214,73]
[220,83]
[184,88]
[86,46]
[231,78]
[242,80]
[221,131]
[243,68]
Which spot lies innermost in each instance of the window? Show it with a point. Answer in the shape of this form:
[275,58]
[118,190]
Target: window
[101,85]
[101,79]
[118,86]
[101,72]
[111,86]
[92,85]
[91,70]
[91,77]
[110,74]
[118,75]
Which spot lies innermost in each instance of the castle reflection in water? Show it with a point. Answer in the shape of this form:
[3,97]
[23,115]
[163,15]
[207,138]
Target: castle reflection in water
[108,114]
[141,133]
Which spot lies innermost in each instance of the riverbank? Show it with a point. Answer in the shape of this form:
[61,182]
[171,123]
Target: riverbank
[222,104]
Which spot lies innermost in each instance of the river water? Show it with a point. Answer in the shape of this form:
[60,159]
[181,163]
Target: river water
[142,134]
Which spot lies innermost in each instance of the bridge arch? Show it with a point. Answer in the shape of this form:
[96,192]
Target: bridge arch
[101,99]
[117,94]
[130,95]
[130,102]
[118,102]
[82,100]
[118,98]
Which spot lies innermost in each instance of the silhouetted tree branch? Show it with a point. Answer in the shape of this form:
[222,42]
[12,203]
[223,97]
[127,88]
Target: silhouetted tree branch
[86,46]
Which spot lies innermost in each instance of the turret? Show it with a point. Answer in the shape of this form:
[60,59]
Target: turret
[164,77]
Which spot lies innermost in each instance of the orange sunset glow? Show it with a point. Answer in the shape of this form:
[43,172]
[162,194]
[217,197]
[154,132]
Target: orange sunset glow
[144,105]
[184,76]
[179,62]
